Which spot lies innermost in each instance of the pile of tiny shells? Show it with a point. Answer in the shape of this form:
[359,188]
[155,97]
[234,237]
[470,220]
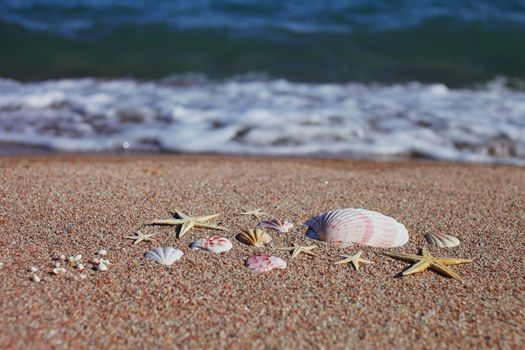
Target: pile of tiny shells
[61,262]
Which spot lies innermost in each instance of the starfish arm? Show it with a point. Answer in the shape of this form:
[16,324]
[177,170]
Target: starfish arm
[452,261]
[206,217]
[180,214]
[296,252]
[210,226]
[308,252]
[171,222]
[344,261]
[186,226]
[422,265]
[364,261]
[444,270]
[405,257]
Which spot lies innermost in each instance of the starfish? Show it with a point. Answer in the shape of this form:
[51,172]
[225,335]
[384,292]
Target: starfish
[256,213]
[355,260]
[297,249]
[139,237]
[187,222]
[425,261]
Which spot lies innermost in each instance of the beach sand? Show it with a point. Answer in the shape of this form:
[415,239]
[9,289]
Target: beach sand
[80,204]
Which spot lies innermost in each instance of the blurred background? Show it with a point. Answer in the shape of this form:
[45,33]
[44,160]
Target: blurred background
[384,79]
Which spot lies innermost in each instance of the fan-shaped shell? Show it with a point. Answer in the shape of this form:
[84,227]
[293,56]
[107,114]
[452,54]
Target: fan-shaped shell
[164,256]
[359,226]
[262,262]
[255,237]
[214,244]
[276,225]
[442,240]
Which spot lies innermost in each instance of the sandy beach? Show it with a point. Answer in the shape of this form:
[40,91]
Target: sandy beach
[52,205]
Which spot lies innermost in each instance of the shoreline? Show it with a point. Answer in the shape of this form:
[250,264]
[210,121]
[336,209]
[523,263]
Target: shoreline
[71,204]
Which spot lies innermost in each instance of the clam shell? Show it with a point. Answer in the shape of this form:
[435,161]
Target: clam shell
[359,226]
[276,225]
[262,262]
[255,237]
[442,240]
[214,244]
[164,256]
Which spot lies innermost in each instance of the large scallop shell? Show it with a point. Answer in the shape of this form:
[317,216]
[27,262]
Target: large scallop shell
[214,244]
[359,226]
[442,240]
[255,237]
[276,225]
[262,262]
[164,256]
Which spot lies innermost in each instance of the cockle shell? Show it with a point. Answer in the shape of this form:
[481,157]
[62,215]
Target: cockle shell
[359,226]
[276,225]
[442,240]
[214,244]
[262,262]
[255,237]
[164,256]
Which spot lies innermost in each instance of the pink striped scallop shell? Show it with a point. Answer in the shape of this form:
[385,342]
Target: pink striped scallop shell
[262,262]
[276,225]
[359,226]
[214,244]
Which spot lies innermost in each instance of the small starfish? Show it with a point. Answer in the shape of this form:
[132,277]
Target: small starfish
[139,237]
[256,213]
[297,249]
[355,260]
[187,222]
[425,261]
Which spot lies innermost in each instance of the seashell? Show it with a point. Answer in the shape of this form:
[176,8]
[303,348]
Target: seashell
[164,256]
[59,270]
[262,262]
[79,266]
[1,265]
[359,226]
[35,278]
[102,252]
[214,244]
[101,267]
[61,257]
[255,237]
[442,240]
[276,225]
[82,276]
[75,258]
[95,261]
[104,261]
[33,269]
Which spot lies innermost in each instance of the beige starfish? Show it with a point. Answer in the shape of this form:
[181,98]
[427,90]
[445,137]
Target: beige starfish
[297,249]
[355,260]
[140,237]
[187,222]
[256,213]
[425,261]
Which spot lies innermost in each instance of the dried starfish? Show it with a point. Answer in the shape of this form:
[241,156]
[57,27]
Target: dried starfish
[297,249]
[187,222]
[256,213]
[139,237]
[355,260]
[425,261]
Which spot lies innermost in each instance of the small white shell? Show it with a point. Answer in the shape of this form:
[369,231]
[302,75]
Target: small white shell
[35,278]
[442,240]
[102,252]
[276,225]
[62,257]
[1,265]
[262,262]
[95,261]
[214,244]
[164,256]
[59,270]
[75,258]
[359,226]
[33,269]
[104,261]
[101,267]
[79,266]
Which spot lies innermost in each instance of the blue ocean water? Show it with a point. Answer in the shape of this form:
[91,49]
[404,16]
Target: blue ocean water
[438,79]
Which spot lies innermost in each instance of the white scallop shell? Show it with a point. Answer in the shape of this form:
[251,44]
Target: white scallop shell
[359,226]
[276,225]
[164,256]
[262,262]
[214,244]
[442,240]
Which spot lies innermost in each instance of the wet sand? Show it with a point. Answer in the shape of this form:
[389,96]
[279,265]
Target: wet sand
[52,205]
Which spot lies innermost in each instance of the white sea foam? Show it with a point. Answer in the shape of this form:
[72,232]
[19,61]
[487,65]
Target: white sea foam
[267,117]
